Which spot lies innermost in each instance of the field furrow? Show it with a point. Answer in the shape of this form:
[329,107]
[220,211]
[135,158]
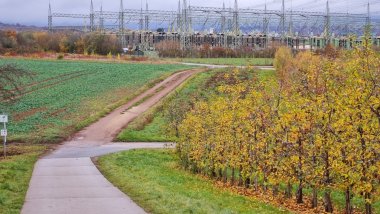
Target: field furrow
[64,96]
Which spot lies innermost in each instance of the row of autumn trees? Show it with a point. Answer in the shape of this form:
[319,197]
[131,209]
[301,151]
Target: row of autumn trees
[13,42]
[172,49]
[315,126]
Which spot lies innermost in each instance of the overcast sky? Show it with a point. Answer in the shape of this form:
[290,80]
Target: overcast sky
[34,12]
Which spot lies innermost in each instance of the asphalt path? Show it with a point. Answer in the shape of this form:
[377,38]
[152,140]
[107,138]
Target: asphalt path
[66,181]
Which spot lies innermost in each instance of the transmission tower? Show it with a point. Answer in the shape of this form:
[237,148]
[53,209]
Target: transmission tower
[223,20]
[144,29]
[323,23]
[179,22]
[327,24]
[282,21]
[190,19]
[266,26]
[146,16]
[121,25]
[50,19]
[92,17]
[291,23]
[141,21]
[185,27]
[368,19]
[229,20]
[236,26]
[223,28]
[368,27]
[101,20]
[368,14]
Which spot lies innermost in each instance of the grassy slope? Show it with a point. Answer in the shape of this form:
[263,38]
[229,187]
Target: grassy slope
[152,132]
[151,127]
[15,173]
[230,61]
[55,112]
[153,179]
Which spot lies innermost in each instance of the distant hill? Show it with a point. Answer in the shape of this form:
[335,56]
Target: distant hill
[19,27]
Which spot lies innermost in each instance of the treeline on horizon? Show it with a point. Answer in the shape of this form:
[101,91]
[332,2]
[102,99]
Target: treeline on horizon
[29,42]
[13,43]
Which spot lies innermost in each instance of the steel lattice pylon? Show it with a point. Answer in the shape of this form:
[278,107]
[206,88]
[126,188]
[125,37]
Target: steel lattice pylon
[230,25]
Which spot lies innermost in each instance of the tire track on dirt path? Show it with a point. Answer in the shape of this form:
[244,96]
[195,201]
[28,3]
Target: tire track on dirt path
[67,181]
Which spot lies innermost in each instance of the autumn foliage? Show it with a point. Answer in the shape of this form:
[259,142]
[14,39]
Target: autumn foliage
[172,48]
[58,42]
[315,126]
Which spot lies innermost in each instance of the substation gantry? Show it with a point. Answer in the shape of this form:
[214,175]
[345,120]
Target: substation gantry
[235,27]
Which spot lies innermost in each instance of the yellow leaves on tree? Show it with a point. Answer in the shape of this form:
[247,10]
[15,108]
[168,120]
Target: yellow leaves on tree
[315,125]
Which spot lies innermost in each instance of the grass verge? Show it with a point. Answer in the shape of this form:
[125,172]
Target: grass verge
[229,61]
[153,179]
[150,127]
[15,173]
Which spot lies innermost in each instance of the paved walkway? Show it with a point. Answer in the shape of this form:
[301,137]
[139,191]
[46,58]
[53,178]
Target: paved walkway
[67,182]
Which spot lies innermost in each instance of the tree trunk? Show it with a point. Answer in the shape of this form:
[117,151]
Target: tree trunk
[232,177]
[194,169]
[275,189]
[220,174]
[300,173]
[176,131]
[256,183]
[328,202]
[240,183]
[314,199]
[300,193]
[213,173]
[225,176]
[348,209]
[327,197]
[368,206]
[247,182]
[265,187]
[288,191]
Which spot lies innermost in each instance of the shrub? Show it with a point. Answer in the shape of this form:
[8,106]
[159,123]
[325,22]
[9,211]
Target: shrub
[60,57]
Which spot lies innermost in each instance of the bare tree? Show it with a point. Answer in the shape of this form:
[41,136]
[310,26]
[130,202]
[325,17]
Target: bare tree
[11,78]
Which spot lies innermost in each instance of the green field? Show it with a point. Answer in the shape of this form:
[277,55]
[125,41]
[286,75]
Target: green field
[64,96]
[230,61]
[15,173]
[156,182]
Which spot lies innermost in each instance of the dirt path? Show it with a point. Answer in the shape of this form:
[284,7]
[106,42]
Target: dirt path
[112,124]
[67,182]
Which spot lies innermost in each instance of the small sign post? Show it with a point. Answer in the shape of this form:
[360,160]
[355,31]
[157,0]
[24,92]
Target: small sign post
[4,132]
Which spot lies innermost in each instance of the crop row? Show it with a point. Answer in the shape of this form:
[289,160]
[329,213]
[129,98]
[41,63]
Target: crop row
[59,101]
